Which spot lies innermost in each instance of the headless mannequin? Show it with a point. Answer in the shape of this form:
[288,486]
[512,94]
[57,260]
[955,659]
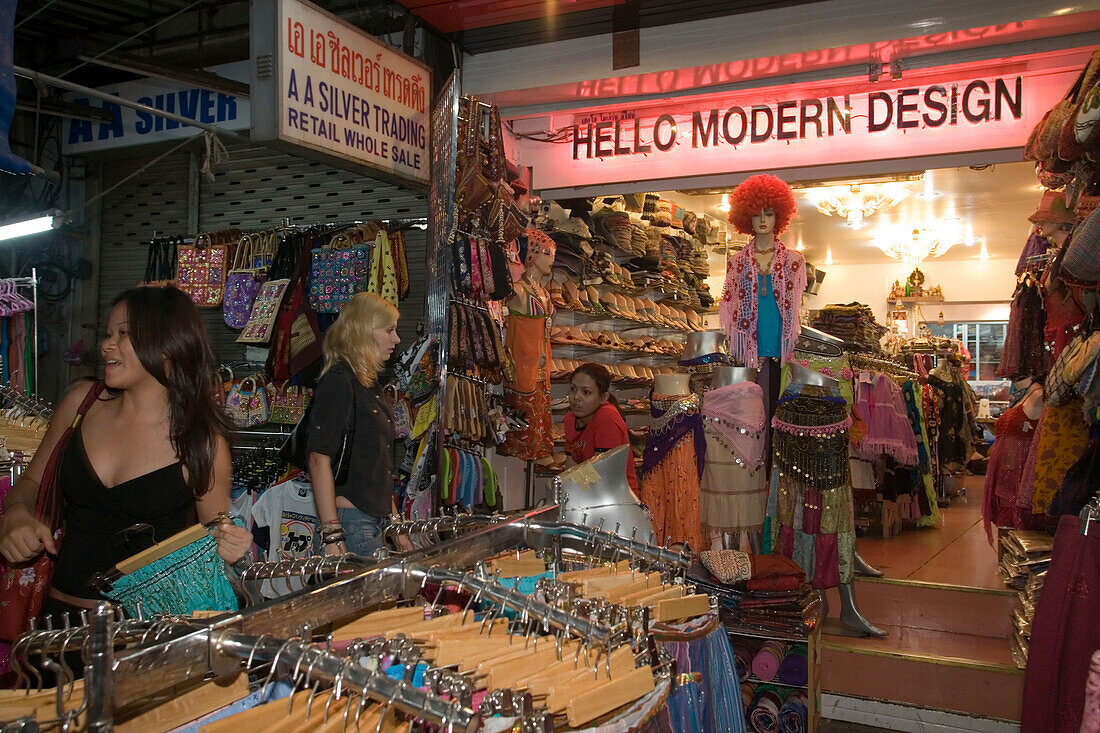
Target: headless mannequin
[1033,400]
[851,618]
[672,385]
[596,494]
[724,376]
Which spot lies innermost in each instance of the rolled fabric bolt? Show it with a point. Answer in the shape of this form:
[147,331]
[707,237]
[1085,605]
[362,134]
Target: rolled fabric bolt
[743,657]
[748,692]
[793,669]
[764,716]
[766,662]
[793,715]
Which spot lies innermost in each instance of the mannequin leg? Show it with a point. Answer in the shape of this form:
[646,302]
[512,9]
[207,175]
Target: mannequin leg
[864,568]
[850,615]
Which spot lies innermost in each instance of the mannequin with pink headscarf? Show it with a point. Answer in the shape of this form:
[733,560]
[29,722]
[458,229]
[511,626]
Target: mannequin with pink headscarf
[527,339]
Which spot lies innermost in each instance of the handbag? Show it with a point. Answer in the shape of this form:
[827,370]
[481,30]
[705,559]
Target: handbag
[416,371]
[296,448]
[338,271]
[401,264]
[201,271]
[160,262]
[223,381]
[23,588]
[246,403]
[383,273]
[265,308]
[189,578]
[242,284]
[288,404]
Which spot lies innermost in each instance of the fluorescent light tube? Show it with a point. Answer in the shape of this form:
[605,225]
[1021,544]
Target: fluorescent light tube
[27,226]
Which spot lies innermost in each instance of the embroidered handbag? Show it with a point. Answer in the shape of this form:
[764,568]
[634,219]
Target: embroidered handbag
[223,381]
[201,271]
[23,588]
[288,404]
[246,402]
[337,272]
[192,578]
[265,308]
[241,284]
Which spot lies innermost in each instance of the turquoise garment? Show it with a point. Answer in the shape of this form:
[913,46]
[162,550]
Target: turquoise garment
[190,579]
[769,324]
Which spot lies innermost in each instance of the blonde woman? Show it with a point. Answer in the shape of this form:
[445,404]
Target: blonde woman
[348,398]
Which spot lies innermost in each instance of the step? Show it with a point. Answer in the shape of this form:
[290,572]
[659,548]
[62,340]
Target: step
[942,670]
[933,606]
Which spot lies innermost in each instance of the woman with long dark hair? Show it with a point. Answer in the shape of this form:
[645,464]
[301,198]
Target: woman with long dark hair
[151,449]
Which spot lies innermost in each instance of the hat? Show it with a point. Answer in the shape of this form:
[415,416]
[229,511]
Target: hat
[1052,207]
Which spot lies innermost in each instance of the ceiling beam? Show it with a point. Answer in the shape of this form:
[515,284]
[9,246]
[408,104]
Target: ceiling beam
[190,77]
[56,108]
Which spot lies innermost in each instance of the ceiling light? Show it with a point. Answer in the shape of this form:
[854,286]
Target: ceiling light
[33,225]
[724,206]
[913,246]
[828,257]
[800,247]
[857,201]
[984,254]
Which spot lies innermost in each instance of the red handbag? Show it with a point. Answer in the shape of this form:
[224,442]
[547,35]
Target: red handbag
[23,588]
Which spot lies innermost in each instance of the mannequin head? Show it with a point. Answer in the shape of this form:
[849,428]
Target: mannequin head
[754,197]
[539,258]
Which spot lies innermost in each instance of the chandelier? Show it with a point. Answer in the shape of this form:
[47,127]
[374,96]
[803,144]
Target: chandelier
[855,202]
[917,245]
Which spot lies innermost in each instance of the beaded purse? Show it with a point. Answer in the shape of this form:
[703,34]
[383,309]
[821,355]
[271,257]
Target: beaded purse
[336,273]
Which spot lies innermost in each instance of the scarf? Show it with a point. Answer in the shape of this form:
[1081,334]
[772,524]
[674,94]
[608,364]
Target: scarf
[739,307]
[735,412]
[668,428]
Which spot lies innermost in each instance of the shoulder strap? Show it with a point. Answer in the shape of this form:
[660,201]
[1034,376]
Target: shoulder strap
[89,399]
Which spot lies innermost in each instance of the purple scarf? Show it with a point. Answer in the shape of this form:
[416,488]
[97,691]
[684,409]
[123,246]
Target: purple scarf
[671,426]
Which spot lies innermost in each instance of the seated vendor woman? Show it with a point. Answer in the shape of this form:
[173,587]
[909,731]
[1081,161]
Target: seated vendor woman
[594,423]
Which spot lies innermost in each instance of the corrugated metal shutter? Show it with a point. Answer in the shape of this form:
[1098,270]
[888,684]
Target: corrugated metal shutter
[155,200]
[258,188]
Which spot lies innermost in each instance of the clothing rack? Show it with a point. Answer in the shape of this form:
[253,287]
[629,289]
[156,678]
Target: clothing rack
[32,283]
[883,365]
[133,659]
[32,405]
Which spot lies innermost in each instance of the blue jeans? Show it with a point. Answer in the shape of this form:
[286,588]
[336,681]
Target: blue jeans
[364,531]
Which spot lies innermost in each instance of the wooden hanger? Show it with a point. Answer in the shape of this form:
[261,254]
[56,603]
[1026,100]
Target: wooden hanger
[162,549]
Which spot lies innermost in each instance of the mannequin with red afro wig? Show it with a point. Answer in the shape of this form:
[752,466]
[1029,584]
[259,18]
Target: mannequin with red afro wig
[758,193]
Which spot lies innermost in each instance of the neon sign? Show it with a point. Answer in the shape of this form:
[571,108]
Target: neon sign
[977,102]
[966,108]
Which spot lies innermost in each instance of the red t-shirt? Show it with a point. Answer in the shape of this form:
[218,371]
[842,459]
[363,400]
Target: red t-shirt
[605,430]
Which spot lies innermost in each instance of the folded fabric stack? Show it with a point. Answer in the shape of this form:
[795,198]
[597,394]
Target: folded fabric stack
[853,322]
[1025,557]
[1024,553]
[765,593]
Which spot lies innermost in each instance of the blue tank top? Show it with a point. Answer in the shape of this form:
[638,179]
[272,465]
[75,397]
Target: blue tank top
[769,324]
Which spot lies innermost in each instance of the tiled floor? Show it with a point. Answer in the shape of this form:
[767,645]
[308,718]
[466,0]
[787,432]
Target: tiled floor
[957,552]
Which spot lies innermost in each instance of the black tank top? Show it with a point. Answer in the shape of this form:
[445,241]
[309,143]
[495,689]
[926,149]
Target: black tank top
[95,514]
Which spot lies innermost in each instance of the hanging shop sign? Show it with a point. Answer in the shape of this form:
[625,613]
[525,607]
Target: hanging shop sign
[136,127]
[325,89]
[931,112]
